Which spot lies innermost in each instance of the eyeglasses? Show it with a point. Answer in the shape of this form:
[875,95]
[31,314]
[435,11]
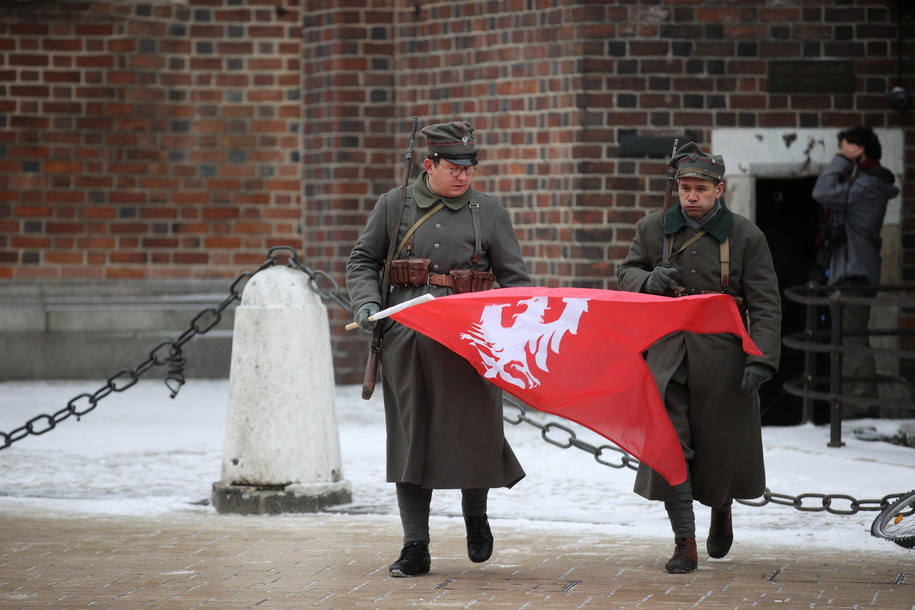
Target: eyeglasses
[457,170]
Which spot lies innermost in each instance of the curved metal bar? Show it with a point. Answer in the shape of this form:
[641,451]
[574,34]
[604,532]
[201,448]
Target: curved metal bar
[813,341]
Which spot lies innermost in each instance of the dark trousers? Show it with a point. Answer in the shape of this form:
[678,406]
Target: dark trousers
[855,320]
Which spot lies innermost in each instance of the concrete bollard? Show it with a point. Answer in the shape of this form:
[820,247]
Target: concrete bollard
[282,447]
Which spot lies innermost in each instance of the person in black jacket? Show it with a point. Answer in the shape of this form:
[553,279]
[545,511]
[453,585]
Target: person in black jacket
[855,188]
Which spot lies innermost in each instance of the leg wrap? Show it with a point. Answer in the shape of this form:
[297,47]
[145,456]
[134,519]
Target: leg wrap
[413,503]
[680,511]
[473,502]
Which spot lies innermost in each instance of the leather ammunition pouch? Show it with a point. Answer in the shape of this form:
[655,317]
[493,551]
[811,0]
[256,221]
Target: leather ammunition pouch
[742,308]
[470,280]
[463,280]
[409,271]
[415,272]
[739,300]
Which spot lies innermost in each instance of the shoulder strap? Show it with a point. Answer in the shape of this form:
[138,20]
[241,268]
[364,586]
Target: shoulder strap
[475,213]
[724,257]
[477,233]
[686,244]
[416,224]
[725,252]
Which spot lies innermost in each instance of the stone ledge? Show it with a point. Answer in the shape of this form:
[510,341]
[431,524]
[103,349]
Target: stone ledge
[294,498]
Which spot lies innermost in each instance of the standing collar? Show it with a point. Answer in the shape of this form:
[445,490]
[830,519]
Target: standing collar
[426,198]
[718,226]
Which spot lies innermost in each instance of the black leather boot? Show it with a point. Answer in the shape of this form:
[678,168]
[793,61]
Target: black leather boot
[479,538]
[720,533]
[414,559]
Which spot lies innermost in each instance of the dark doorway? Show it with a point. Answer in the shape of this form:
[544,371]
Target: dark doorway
[788,215]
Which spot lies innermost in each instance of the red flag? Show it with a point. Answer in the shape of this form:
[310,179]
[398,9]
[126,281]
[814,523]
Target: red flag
[577,353]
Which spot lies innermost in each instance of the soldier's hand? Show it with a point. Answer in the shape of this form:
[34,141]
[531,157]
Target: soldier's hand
[662,279]
[364,313]
[754,375]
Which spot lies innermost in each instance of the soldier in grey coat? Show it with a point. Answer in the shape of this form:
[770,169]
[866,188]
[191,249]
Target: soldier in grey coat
[707,382]
[443,420]
[855,188]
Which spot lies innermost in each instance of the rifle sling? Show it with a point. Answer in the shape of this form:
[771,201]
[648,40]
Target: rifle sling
[386,272]
[724,255]
[689,242]
[416,224]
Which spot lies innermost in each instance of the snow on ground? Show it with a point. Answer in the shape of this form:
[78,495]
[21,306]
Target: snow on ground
[141,453]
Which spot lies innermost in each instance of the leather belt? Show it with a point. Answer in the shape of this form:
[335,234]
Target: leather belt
[440,279]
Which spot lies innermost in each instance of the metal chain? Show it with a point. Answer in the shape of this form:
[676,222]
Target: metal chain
[168,353]
[571,440]
[315,278]
[837,504]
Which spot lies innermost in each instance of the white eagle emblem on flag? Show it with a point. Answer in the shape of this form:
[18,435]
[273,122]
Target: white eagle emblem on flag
[507,352]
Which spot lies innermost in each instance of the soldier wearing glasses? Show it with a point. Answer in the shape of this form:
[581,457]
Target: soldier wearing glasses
[443,420]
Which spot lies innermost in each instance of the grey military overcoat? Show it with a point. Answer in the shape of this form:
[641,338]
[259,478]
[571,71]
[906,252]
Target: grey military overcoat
[443,420]
[722,437]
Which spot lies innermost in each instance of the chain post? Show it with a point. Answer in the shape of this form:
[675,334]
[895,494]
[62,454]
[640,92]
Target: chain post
[169,354]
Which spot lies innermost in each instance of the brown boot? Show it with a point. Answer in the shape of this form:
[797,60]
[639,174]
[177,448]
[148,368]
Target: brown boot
[685,558]
[720,533]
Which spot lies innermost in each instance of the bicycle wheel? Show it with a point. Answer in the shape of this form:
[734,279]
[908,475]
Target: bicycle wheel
[896,522]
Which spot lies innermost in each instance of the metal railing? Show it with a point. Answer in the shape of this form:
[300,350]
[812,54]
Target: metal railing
[820,300]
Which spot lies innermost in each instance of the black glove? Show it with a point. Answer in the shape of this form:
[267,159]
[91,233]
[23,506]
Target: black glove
[364,313]
[662,279]
[754,375]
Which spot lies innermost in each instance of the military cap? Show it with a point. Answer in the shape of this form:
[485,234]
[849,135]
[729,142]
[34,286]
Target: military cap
[690,160]
[452,141]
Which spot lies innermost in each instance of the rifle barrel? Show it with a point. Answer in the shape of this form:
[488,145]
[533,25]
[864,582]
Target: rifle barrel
[371,364]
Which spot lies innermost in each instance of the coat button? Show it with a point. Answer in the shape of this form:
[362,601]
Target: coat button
[435,267]
[693,272]
[438,225]
[694,253]
[436,246]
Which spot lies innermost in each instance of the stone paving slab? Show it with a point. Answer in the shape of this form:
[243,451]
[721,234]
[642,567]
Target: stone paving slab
[206,560]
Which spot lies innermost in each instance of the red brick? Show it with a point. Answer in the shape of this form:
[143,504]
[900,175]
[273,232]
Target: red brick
[32,243]
[222,242]
[121,273]
[71,228]
[191,258]
[52,166]
[63,258]
[98,212]
[96,243]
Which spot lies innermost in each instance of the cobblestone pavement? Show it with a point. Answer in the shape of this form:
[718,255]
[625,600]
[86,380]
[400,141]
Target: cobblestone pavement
[204,560]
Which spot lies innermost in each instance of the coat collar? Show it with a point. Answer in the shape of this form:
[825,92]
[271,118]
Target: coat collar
[718,227]
[425,198]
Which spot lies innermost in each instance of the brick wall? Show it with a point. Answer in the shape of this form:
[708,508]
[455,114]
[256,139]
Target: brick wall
[552,91]
[147,140]
[162,139]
